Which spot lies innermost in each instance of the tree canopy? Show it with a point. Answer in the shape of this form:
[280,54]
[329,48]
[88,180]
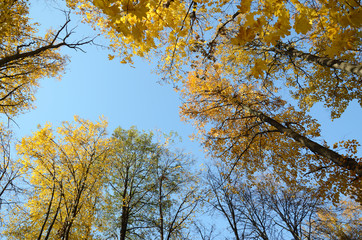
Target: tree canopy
[312,46]
[26,57]
[66,169]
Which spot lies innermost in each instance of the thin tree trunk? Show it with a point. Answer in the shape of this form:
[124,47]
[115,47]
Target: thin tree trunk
[48,212]
[125,210]
[160,208]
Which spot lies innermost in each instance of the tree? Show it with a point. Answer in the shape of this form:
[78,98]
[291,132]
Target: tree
[25,57]
[260,39]
[261,208]
[261,49]
[339,222]
[247,124]
[176,194]
[66,171]
[9,172]
[151,192]
[129,185]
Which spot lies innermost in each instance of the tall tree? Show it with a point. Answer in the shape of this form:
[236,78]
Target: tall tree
[248,124]
[66,170]
[151,191]
[129,185]
[176,194]
[261,208]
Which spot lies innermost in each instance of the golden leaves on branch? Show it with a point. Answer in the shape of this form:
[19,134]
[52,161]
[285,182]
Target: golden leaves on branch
[25,57]
[253,131]
[66,168]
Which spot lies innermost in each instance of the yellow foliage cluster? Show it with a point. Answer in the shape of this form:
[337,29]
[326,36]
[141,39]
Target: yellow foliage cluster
[66,168]
[232,124]
[245,39]
[19,72]
[343,222]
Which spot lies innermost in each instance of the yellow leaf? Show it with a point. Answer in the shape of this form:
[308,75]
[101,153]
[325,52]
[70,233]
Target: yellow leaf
[302,24]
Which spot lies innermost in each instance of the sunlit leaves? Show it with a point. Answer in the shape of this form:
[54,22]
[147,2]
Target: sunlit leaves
[66,169]
[342,222]
[22,60]
[233,125]
[228,31]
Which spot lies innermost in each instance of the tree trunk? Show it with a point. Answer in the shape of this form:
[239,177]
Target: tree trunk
[125,209]
[348,163]
[322,61]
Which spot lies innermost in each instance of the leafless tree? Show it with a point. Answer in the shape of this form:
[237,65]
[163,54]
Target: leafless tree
[9,170]
[265,210]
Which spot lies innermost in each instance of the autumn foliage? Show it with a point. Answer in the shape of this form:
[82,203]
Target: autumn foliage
[312,46]
[65,168]
[254,131]
[248,72]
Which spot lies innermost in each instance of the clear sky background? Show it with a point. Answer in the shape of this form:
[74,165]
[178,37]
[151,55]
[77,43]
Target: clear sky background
[94,86]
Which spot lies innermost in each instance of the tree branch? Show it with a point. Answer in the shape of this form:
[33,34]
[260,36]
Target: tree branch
[344,162]
[51,45]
